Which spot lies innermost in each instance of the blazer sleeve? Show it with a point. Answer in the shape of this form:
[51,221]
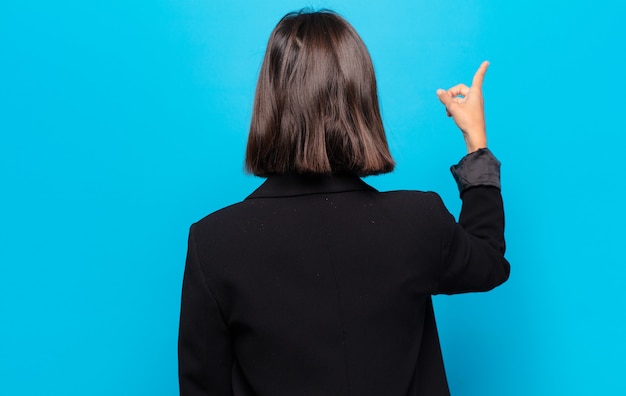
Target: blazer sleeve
[204,350]
[473,249]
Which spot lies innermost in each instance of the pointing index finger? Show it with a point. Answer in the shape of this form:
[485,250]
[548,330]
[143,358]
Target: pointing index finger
[477,82]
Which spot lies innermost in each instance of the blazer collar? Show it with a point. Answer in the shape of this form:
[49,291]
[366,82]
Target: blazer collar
[294,184]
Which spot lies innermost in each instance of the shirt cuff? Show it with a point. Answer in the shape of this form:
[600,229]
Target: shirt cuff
[479,168]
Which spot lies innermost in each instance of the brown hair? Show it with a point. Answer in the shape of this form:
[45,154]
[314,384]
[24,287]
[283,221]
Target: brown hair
[316,104]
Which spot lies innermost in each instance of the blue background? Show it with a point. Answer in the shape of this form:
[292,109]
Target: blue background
[121,123]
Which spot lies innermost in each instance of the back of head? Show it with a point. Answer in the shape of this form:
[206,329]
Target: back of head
[316,105]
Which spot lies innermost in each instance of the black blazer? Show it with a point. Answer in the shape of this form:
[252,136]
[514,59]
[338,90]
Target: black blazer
[322,286]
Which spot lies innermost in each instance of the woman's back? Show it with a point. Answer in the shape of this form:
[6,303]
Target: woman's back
[324,286]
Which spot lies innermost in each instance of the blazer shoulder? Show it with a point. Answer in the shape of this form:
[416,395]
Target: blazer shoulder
[414,198]
[220,216]
[412,204]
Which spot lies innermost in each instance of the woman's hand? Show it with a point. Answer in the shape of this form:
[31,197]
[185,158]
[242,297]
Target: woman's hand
[465,105]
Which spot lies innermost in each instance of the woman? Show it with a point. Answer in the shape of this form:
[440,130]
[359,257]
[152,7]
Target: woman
[317,284]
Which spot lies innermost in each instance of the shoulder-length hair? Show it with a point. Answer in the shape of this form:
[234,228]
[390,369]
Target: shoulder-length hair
[316,104]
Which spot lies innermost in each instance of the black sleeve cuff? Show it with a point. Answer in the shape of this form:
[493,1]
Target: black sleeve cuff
[479,168]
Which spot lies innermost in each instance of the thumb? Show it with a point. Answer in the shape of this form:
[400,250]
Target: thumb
[444,97]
